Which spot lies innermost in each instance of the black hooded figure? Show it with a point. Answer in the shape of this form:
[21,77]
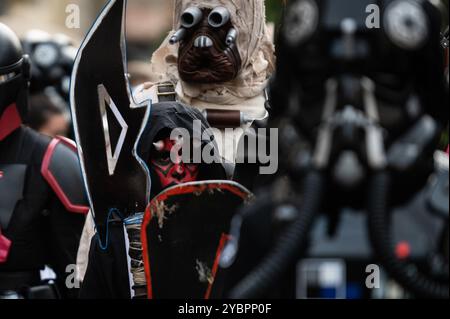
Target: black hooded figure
[107,274]
[167,117]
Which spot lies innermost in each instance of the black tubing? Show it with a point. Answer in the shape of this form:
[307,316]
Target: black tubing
[286,250]
[380,235]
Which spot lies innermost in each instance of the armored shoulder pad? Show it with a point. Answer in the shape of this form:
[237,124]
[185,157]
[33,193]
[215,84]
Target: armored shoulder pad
[61,170]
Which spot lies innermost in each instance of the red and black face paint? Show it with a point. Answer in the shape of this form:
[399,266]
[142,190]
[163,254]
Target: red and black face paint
[208,52]
[170,172]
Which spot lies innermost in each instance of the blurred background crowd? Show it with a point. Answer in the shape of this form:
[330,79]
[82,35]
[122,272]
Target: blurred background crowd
[45,22]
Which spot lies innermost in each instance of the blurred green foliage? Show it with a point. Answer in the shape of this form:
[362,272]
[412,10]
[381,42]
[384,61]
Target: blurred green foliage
[274,10]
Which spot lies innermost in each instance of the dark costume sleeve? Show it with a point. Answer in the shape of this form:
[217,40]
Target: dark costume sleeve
[107,272]
[65,229]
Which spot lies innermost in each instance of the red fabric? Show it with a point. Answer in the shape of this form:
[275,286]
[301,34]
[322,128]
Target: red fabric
[5,246]
[9,121]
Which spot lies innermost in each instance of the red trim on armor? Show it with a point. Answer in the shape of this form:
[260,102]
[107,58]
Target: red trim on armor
[199,188]
[223,241]
[5,246]
[9,121]
[147,218]
[71,144]
[51,180]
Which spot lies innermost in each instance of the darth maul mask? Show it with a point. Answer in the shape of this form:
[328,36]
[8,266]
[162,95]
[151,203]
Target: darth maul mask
[208,52]
[171,173]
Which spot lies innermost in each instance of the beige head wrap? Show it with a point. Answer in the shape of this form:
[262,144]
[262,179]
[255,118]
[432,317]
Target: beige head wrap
[254,44]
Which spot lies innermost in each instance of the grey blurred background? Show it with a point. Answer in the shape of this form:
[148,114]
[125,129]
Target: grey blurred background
[148,21]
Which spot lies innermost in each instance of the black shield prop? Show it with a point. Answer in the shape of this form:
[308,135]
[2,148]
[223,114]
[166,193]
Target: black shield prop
[108,123]
[184,232]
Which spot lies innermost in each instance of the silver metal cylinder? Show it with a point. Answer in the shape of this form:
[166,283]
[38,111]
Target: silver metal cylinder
[178,36]
[219,17]
[231,36]
[191,17]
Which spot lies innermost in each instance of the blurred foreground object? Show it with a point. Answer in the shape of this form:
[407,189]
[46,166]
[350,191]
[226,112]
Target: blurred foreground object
[360,112]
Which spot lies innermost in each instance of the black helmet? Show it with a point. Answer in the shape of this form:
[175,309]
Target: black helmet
[52,59]
[14,72]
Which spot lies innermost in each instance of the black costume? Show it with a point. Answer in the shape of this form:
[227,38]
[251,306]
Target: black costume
[42,199]
[107,274]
